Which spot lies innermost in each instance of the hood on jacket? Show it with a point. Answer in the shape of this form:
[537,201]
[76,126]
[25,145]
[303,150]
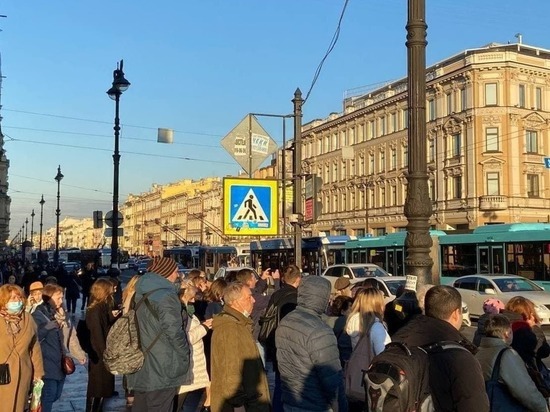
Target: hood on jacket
[314,293]
[151,281]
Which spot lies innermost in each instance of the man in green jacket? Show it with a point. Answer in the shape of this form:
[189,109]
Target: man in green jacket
[160,327]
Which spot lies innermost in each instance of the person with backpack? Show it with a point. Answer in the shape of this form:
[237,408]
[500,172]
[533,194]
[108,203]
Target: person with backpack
[281,303]
[455,379]
[502,365]
[307,353]
[162,338]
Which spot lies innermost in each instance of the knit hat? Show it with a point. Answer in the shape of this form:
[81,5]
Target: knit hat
[163,266]
[341,283]
[36,286]
[493,306]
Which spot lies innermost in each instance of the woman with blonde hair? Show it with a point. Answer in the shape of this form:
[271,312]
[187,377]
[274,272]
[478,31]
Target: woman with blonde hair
[19,349]
[197,376]
[99,318]
[366,318]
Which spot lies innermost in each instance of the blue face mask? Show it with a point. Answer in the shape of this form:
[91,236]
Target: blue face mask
[14,307]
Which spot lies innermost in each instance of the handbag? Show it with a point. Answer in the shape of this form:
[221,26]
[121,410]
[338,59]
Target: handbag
[499,396]
[67,363]
[5,375]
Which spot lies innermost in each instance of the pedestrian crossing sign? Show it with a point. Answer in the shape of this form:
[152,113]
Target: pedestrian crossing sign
[250,207]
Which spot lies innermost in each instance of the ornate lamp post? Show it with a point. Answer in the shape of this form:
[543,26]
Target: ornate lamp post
[32,225]
[58,179]
[42,201]
[120,85]
[26,228]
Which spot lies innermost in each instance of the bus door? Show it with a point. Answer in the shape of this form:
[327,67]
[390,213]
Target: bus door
[395,263]
[491,259]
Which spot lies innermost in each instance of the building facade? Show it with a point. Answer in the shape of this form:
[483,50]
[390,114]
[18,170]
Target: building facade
[487,114]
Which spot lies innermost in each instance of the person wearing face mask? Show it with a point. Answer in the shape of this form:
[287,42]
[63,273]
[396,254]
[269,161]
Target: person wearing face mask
[513,373]
[35,296]
[238,375]
[197,376]
[19,348]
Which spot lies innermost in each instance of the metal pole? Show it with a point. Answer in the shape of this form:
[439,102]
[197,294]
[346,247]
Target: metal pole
[57,214]
[366,209]
[116,162]
[418,206]
[32,225]
[26,228]
[249,146]
[42,201]
[283,165]
[298,102]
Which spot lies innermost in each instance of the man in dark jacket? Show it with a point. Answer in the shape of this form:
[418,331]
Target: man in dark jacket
[456,380]
[307,353]
[160,328]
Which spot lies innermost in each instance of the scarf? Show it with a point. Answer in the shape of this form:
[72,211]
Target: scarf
[12,321]
[61,317]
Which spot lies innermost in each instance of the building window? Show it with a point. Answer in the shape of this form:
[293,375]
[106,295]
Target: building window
[394,195]
[371,162]
[521,95]
[431,150]
[532,185]
[449,100]
[382,161]
[393,122]
[372,128]
[431,189]
[463,99]
[431,110]
[360,232]
[382,125]
[405,119]
[405,156]
[531,141]
[382,197]
[491,139]
[538,98]
[362,170]
[490,94]
[493,184]
[393,159]
[456,145]
[457,187]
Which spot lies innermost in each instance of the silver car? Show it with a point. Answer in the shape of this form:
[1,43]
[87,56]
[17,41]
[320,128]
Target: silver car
[355,272]
[475,289]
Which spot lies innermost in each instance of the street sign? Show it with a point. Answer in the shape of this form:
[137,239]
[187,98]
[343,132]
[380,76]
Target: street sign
[109,219]
[547,162]
[98,219]
[109,232]
[250,207]
[249,144]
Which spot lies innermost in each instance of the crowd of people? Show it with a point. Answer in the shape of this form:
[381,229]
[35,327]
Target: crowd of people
[212,343]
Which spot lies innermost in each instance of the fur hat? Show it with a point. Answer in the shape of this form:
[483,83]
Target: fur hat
[493,306]
[163,266]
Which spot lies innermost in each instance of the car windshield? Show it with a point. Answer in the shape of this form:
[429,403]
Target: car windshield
[393,285]
[367,271]
[516,285]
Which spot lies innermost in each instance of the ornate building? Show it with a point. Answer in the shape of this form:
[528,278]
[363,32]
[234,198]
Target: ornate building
[488,114]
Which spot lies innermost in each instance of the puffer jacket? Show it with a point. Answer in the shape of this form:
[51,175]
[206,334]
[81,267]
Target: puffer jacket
[167,362]
[50,342]
[512,372]
[456,381]
[307,353]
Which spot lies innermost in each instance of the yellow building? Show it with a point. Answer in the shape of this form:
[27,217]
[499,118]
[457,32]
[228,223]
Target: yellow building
[487,113]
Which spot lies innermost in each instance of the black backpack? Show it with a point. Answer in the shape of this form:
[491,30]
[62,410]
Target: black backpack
[398,378]
[270,320]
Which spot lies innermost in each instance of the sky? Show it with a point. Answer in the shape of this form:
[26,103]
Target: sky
[197,67]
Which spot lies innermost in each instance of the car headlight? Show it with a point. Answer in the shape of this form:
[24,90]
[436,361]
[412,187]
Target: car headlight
[541,308]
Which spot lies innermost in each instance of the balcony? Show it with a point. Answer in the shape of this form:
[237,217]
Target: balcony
[493,202]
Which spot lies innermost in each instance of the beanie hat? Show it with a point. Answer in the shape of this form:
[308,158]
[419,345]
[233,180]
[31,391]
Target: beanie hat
[36,286]
[163,266]
[341,283]
[493,306]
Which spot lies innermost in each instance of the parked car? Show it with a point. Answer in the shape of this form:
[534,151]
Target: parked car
[475,289]
[133,263]
[355,272]
[390,285]
[71,266]
[230,273]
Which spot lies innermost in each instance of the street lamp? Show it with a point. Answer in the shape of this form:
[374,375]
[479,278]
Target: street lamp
[42,201]
[120,85]
[32,225]
[58,177]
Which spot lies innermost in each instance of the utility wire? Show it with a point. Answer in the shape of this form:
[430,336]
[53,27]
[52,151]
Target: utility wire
[329,50]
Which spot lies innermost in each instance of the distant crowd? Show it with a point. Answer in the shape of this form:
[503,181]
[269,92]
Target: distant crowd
[179,341]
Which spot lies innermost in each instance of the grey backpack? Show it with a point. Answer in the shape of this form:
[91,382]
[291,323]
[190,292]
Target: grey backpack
[123,354]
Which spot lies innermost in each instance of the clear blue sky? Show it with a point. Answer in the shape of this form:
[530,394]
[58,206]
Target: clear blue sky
[197,67]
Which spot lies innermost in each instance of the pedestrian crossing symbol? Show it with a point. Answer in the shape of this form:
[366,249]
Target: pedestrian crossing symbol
[250,207]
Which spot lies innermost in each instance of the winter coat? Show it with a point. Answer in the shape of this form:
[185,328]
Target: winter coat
[307,353]
[25,363]
[196,377]
[101,383]
[261,300]
[512,372]
[167,361]
[73,287]
[285,299]
[456,380]
[238,375]
[50,342]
